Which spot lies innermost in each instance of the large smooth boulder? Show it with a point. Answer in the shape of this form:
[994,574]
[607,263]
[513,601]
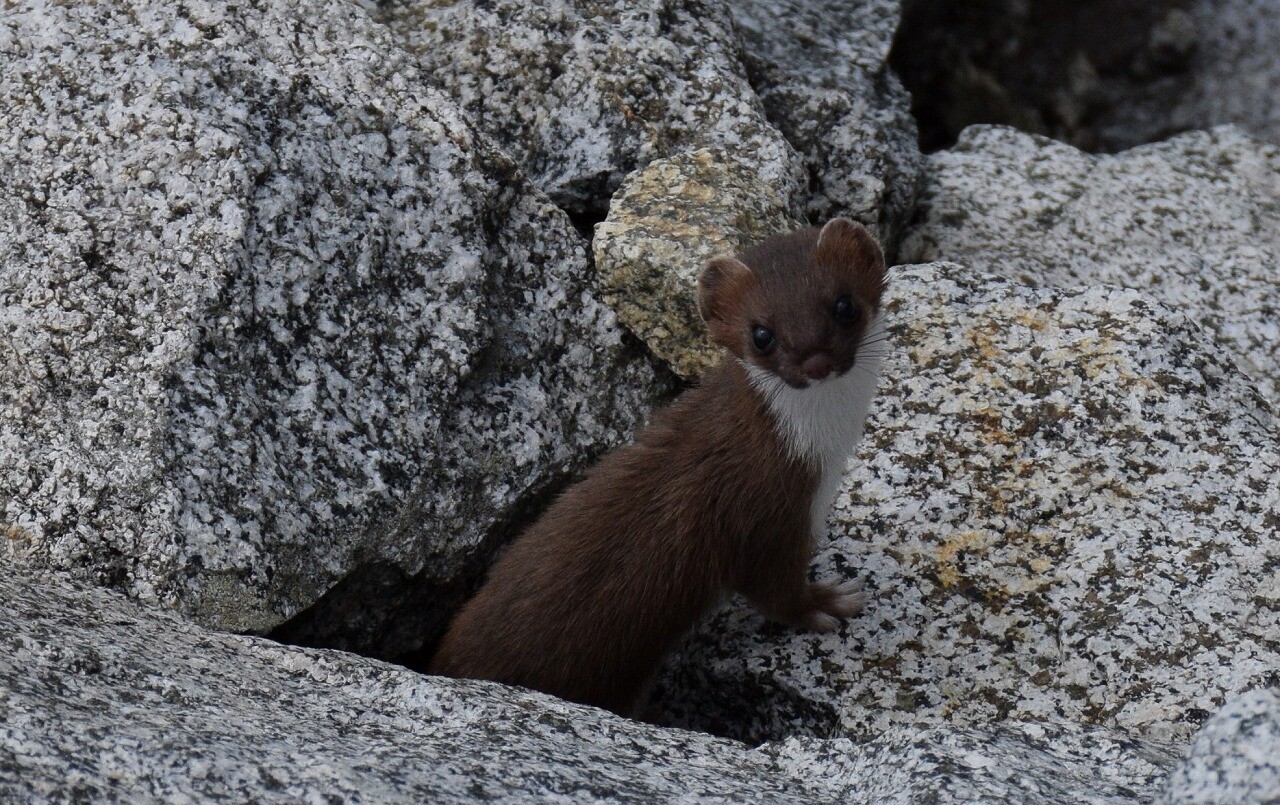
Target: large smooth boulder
[278,325]
[105,700]
[1192,222]
[1066,507]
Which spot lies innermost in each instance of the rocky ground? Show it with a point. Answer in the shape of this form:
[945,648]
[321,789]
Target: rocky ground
[309,307]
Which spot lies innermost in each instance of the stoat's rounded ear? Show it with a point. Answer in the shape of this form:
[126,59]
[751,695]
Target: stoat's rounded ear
[719,286]
[848,242]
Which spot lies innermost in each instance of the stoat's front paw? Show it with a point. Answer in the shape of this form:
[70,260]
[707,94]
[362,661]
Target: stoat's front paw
[832,601]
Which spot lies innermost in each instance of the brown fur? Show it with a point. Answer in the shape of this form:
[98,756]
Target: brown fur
[585,603]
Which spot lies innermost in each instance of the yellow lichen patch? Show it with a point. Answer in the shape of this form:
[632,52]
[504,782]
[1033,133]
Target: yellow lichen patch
[946,554]
[948,551]
[983,340]
[1034,319]
[19,541]
[989,422]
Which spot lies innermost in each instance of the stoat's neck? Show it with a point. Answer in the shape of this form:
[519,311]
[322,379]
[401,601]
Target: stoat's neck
[822,424]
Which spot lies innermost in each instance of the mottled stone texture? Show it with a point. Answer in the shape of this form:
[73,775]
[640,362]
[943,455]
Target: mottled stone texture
[583,92]
[1043,763]
[1067,506]
[1193,222]
[663,225]
[820,69]
[1235,758]
[272,315]
[105,701]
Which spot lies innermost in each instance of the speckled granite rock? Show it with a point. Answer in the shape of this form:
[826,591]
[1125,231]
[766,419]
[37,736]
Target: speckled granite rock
[1235,758]
[1067,507]
[105,701]
[820,70]
[273,317]
[1193,222]
[583,92]
[664,223]
[1042,763]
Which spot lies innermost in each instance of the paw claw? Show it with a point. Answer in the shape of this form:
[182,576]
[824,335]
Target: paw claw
[840,599]
[821,622]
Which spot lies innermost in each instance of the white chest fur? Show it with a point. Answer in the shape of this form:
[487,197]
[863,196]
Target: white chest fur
[823,423]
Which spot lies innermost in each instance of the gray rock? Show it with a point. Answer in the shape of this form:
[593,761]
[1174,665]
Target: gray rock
[1193,222]
[1066,507]
[105,701]
[581,93]
[821,73]
[1235,758]
[274,318]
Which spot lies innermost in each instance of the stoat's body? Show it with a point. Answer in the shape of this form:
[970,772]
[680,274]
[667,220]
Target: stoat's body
[724,491]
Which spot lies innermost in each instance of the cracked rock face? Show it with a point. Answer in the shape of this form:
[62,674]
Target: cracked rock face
[273,314]
[105,700]
[1193,222]
[581,93]
[1066,507]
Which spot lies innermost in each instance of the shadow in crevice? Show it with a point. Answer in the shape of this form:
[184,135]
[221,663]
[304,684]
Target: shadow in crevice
[751,708]
[1061,68]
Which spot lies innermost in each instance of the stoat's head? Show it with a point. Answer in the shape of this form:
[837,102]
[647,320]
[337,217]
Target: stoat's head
[799,305]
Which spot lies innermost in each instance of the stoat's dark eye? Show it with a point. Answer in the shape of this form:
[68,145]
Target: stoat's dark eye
[762,338]
[846,310]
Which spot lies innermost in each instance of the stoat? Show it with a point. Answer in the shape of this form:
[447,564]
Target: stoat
[725,490]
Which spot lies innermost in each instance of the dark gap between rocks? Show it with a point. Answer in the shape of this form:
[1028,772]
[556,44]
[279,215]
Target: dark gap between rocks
[379,611]
[1061,68]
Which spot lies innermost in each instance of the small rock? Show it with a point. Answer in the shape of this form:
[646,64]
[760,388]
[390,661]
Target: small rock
[663,225]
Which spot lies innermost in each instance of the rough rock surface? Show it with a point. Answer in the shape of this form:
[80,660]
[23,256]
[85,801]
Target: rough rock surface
[583,92]
[664,223]
[1193,222]
[1043,763]
[820,69]
[273,317]
[1067,506]
[103,700]
[1235,758]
